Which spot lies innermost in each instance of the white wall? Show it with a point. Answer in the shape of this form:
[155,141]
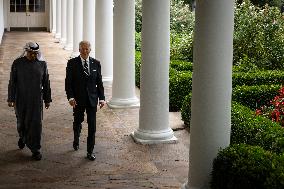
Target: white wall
[1,20]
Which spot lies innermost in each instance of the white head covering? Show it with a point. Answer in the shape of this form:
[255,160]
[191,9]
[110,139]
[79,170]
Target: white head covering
[32,46]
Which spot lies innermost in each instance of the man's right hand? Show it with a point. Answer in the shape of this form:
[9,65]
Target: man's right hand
[72,103]
[11,104]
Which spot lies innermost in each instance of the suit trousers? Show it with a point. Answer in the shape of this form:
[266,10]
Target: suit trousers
[78,113]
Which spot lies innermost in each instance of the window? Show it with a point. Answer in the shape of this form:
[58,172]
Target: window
[17,5]
[36,5]
[22,6]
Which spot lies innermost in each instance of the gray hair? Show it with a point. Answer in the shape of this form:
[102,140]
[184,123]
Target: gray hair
[84,43]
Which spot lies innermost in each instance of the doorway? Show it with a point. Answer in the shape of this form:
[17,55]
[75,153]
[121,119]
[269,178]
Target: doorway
[28,15]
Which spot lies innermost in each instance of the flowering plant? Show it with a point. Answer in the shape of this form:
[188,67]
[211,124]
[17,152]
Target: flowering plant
[275,109]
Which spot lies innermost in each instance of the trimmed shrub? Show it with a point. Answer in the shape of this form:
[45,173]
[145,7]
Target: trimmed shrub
[276,178]
[258,78]
[255,96]
[242,167]
[186,110]
[180,65]
[137,68]
[255,130]
[247,128]
[180,85]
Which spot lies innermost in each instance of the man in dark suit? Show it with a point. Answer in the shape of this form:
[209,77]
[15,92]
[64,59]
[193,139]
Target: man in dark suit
[84,88]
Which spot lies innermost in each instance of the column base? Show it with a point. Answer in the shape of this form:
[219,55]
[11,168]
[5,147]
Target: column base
[53,32]
[107,81]
[68,47]
[63,41]
[185,186]
[58,36]
[154,137]
[124,103]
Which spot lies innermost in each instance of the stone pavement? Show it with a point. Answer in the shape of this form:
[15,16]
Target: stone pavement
[120,163]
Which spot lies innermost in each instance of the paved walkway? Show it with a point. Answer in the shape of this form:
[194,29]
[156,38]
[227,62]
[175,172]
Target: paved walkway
[120,163]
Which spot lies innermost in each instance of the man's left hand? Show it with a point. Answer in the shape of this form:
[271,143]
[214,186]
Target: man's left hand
[102,103]
[47,105]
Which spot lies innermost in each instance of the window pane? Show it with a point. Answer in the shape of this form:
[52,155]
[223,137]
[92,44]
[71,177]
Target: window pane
[12,5]
[39,6]
[31,2]
[12,8]
[21,8]
[31,8]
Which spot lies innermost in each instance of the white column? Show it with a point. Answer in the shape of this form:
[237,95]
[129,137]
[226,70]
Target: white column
[211,88]
[6,8]
[1,20]
[89,23]
[69,26]
[154,91]
[53,17]
[50,16]
[77,26]
[123,87]
[58,20]
[104,38]
[63,21]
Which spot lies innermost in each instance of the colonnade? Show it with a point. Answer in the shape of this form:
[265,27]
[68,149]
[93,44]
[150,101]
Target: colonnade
[110,27]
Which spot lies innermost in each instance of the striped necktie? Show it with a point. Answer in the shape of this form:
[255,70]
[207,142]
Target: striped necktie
[86,69]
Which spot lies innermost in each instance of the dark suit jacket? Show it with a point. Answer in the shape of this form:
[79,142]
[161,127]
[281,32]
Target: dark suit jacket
[81,87]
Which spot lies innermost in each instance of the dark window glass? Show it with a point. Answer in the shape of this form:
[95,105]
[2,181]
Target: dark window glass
[37,5]
[34,6]
[39,8]
[31,8]
[20,8]
[12,8]
[41,4]
[31,5]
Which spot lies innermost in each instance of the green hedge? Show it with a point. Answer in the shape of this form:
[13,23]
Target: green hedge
[137,68]
[180,82]
[180,85]
[247,128]
[255,96]
[258,78]
[186,110]
[255,130]
[251,96]
[247,167]
[180,65]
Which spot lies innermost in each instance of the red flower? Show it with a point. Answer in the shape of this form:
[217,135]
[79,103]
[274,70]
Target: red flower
[275,111]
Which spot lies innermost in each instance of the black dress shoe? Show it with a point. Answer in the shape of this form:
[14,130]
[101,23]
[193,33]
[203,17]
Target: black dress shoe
[37,156]
[91,157]
[21,143]
[75,146]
